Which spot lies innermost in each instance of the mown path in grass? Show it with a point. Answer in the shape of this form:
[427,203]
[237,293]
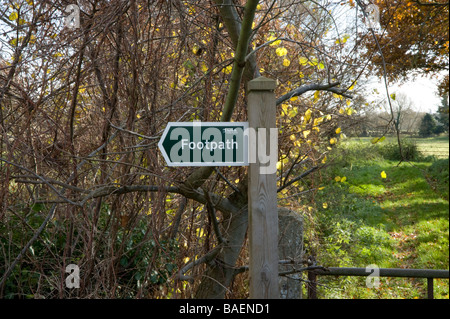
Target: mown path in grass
[401,221]
[415,216]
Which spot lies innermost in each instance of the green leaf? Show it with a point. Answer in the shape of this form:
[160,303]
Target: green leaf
[37,207]
[138,276]
[124,261]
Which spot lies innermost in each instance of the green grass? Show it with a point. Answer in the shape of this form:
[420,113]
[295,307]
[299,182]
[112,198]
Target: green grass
[398,222]
[430,146]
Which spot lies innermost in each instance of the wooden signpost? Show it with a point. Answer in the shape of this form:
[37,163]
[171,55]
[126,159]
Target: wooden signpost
[262,196]
[253,144]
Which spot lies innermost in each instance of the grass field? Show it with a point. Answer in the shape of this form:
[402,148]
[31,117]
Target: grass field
[431,146]
[437,146]
[401,221]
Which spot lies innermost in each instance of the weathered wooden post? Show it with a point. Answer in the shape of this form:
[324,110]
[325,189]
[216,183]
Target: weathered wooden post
[262,192]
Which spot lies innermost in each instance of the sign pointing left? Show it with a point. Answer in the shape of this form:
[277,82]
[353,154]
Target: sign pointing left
[205,144]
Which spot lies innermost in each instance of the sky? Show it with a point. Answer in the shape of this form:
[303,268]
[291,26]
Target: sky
[421,91]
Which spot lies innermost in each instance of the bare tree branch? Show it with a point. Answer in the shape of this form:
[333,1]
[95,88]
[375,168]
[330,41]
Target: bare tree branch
[314,87]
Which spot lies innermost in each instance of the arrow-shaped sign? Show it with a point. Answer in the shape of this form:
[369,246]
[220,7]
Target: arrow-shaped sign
[205,144]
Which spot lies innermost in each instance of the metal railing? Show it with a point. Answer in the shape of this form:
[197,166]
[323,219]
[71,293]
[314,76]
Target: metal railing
[429,274]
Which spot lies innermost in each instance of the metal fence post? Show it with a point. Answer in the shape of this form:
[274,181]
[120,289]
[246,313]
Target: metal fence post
[312,285]
[430,288]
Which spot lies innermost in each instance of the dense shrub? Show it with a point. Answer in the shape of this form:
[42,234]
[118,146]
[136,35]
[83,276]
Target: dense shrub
[410,151]
[438,173]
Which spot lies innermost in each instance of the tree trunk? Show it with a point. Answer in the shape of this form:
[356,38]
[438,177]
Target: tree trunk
[220,273]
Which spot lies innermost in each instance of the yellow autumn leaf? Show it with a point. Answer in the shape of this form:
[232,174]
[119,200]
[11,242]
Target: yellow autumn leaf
[303,61]
[199,232]
[13,42]
[337,96]
[338,130]
[383,174]
[316,96]
[308,115]
[281,51]
[325,205]
[279,165]
[333,141]
[306,133]
[228,69]
[13,16]
[343,179]
[337,179]
[286,62]
[275,43]
[313,62]
[293,112]
[195,49]
[376,140]
[204,67]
